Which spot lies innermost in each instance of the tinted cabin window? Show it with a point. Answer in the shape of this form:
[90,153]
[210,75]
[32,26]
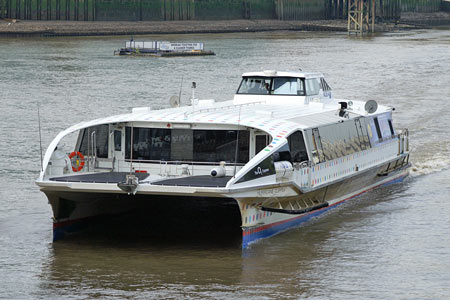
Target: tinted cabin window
[117,140]
[181,144]
[297,147]
[148,143]
[261,142]
[98,135]
[160,144]
[377,126]
[363,135]
[317,151]
[187,145]
[282,154]
[338,140]
[391,128]
[220,145]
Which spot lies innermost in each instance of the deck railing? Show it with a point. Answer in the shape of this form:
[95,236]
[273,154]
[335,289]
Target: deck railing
[160,167]
[403,141]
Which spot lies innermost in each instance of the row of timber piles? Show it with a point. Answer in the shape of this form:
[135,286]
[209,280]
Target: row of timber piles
[137,10]
[160,10]
[422,6]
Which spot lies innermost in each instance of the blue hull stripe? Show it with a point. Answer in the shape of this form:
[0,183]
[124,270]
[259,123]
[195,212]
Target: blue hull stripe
[254,234]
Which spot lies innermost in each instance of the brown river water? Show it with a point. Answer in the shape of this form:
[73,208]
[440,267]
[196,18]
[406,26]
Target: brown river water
[391,243]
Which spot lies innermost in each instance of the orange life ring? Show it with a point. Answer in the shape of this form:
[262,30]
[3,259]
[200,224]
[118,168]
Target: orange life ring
[77,161]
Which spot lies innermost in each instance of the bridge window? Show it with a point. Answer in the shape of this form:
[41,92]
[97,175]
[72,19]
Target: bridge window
[312,86]
[255,85]
[288,86]
[276,86]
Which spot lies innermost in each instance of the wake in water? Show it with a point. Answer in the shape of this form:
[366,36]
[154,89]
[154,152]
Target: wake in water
[424,168]
[426,165]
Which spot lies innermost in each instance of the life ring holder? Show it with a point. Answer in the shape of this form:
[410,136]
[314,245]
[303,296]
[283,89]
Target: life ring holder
[78,159]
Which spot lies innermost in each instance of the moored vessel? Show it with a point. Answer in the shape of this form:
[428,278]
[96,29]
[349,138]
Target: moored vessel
[281,152]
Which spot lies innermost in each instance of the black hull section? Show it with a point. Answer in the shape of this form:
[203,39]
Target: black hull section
[149,217]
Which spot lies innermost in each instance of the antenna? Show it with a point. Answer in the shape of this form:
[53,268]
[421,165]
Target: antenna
[194,85]
[131,152]
[40,136]
[179,95]
[237,142]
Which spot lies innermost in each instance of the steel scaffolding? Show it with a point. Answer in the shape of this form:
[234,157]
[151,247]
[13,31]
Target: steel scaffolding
[361,16]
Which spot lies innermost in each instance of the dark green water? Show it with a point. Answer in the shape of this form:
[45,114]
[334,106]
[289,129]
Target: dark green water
[392,243]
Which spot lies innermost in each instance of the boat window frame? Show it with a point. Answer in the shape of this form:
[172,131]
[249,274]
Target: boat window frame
[305,148]
[317,154]
[102,141]
[325,86]
[378,129]
[117,140]
[317,81]
[242,158]
[271,85]
[298,80]
[391,127]
[255,77]
[267,138]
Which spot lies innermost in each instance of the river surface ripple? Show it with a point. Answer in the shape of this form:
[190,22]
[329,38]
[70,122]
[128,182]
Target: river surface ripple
[392,243]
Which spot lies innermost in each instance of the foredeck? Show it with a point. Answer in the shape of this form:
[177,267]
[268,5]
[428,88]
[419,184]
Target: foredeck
[116,177]
[199,181]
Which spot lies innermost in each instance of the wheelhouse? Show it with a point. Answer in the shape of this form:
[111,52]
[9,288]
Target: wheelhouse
[307,86]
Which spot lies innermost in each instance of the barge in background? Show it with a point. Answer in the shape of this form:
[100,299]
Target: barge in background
[282,151]
[162,48]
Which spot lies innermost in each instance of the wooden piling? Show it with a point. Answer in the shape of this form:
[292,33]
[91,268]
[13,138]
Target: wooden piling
[147,10]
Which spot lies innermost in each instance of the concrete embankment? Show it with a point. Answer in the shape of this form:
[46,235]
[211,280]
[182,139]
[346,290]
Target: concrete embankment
[441,18]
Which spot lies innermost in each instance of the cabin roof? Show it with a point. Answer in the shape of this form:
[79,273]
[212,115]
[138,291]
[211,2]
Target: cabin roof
[271,73]
[317,119]
[272,117]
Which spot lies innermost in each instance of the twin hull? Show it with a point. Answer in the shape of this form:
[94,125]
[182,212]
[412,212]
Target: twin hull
[227,212]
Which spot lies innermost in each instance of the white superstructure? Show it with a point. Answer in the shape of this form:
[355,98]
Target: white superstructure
[282,151]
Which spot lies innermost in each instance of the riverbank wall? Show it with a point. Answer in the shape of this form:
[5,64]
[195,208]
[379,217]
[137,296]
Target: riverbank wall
[128,28]
[180,10]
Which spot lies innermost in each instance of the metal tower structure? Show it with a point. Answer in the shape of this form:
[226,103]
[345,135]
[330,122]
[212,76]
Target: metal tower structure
[361,16]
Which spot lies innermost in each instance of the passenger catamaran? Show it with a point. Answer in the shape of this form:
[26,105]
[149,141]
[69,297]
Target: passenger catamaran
[282,151]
